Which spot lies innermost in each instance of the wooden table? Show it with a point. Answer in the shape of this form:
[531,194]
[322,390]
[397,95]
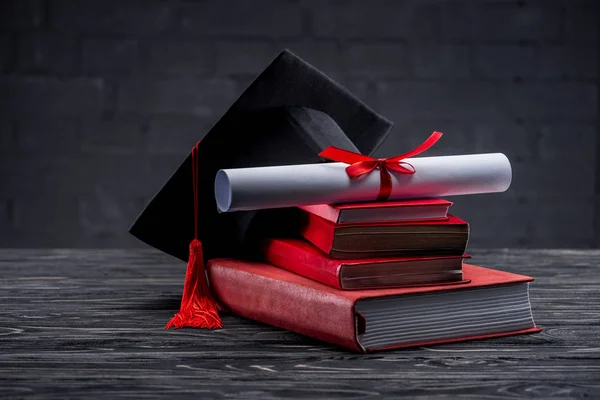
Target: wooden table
[79,323]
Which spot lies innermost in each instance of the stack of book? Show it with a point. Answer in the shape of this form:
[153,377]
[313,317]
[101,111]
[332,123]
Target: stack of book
[375,276]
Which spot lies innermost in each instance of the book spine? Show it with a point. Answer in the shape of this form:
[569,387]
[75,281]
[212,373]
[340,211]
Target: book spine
[318,231]
[319,269]
[302,309]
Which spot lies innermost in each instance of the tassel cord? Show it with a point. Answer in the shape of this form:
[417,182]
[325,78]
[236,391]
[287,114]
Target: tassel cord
[198,308]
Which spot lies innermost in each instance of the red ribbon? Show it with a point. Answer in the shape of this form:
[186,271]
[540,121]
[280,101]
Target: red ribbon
[361,164]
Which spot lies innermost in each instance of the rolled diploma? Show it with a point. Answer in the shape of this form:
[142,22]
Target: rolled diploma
[327,183]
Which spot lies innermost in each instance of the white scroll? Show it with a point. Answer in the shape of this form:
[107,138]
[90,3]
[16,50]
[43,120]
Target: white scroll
[327,183]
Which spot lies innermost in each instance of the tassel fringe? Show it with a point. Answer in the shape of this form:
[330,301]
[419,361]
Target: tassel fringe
[198,308]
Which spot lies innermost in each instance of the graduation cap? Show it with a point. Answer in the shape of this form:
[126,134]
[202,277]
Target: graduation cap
[288,115]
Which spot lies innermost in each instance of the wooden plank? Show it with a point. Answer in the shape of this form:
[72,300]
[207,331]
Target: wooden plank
[77,323]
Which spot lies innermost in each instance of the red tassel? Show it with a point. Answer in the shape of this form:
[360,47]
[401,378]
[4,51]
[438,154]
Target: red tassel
[198,308]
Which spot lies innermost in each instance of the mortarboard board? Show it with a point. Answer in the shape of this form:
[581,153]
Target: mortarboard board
[290,113]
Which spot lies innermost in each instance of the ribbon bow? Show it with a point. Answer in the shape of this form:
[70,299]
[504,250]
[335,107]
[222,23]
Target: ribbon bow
[361,164]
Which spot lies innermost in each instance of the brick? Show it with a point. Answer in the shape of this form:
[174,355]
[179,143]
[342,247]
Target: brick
[123,174]
[572,62]
[504,21]
[176,56]
[64,227]
[495,219]
[322,54]
[57,136]
[564,222]
[242,18]
[596,218]
[505,61]
[176,95]
[7,220]
[136,17]
[573,148]
[570,100]
[378,19]
[550,178]
[243,57]
[564,162]
[405,101]
[376,60]
[6,170]
[42,226]
[21,14]
[115,135]
[504,136]
[109,56]
[8,135]
[582,22]
[112,191]
[439,61]
[6,51]
[501,21]
[104,216]
[405,136]
[26,96]
[174,135]
[572,143]
[48,53]
[30,224]
[460,22]
[28,175]
[32,186]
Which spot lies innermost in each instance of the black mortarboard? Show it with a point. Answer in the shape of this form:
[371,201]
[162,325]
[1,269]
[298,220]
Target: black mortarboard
[290,113]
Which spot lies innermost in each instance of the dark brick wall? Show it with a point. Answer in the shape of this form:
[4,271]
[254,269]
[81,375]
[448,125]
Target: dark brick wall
[101,100]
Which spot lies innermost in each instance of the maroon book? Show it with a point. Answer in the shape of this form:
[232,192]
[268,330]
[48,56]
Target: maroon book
[405,210]
[387,239]
[493,304]
[304,259]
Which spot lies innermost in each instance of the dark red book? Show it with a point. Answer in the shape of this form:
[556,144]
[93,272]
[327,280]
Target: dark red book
[303,258]
[405,210]
[493,304]
[386,239]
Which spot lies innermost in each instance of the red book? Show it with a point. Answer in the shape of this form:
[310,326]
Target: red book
[305,259]
[406,210]
[493,304]
[386,239]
